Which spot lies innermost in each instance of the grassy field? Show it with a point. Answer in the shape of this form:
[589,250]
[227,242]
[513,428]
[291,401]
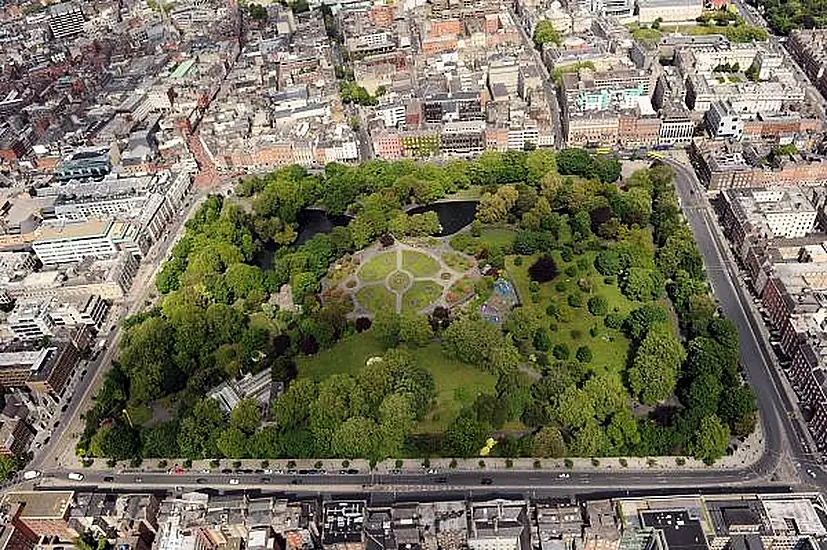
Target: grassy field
[421,294]
[457,384]
[376,297]
[378,267]
[609,347]
[419,264]
[347,357]
[503,238]
[399,280]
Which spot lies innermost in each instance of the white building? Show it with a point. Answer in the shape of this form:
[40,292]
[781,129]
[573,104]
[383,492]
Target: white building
[31,321]
[722,122]
[668,10]
[72,242]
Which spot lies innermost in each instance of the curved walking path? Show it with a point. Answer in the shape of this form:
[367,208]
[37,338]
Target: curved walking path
[399,248]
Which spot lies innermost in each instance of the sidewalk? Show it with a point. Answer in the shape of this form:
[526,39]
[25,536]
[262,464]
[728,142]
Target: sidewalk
[747,454]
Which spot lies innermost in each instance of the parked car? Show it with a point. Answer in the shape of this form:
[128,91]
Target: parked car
[74,476]
[234,481]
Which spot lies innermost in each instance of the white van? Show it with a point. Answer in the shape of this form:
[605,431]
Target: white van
[31,474]
[75,476]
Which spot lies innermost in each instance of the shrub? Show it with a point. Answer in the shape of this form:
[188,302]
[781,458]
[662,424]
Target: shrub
[595,462]
[542,342]
[308,345]
[552,309]
[111,462]
[598,305]
[614,320]
[386,240]
[398,463]
[651,462]
[576,334]
[534,286]
[187,463]
[553,326]
[542,359]
[535,297]
[291,464]
[594,331]
[509,463]
[345,463]
[680,461]
[623,462]
[561,286]
[363,324]
[162,464]
[609,280]
[538,464]
[426,463]
[543,270]
[215,463]
[584,354]
[560,351]
[481,463]
[567,254]
[236,464]
[265,463]
[571,271]
[453,463]
[136,462]
[575,299]
[518,261]
[569,463]
[476,228]
[317,465]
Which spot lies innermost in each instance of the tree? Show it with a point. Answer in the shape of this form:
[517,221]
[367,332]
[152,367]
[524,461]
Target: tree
[355,438]
[543,270]
[523,323]
[639,320]
[576,162]
[465,436]
[588,440]
[415,329]
[117,441]
[494,207]
[607,262]
[514,391]
[396,419]
[584,354]
[545,33]
[737,408]
[233,443]
[642,284]
[656,365]
[598,305]
[199,430]
[160,440]
[290,410]
[542,341]
[561,351]
[7,467]
[711,440]
[548,443]
[635,206]
[474,341]
[386,327]
[246,416]
[574,408]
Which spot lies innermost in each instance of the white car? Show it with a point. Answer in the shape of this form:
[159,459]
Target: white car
[268,471]
[74,476]
[234,481]
[31,474]
[564,476]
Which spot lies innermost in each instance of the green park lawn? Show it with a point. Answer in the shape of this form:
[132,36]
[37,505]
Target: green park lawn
[609,347]
[378,267]
[457,384]
[348,356]
[376,298]
[419,264]
[502,238]
[399,281]
[420,295]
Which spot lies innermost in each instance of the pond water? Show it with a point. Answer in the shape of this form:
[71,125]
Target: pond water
[313,222]
[453,216]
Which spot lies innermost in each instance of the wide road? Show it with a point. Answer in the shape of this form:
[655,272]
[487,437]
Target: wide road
[782,434]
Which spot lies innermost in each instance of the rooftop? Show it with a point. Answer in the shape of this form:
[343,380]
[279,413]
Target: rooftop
[42,505]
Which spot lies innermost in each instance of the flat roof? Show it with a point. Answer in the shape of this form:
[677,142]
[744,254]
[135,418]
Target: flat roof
[183,68]
[42,504]
[91,228]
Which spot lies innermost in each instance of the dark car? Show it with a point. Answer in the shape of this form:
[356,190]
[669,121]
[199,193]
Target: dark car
[226,471]
[486,481]
[441,479]
[201,480]
[265,480]
[108,479]
[353,471]
[296,482]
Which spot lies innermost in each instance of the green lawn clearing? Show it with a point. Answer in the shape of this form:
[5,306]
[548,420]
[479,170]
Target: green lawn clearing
[609,347]
[457,385]
[419,264]
[376,298]
[456,261]
[348,356]
[378,267]
[420,295]
[503,238]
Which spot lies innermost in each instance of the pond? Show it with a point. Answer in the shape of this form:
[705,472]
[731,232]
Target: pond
[312,222]
[453,216]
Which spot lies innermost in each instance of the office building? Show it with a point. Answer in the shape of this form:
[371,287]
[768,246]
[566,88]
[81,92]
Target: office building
[65,20]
